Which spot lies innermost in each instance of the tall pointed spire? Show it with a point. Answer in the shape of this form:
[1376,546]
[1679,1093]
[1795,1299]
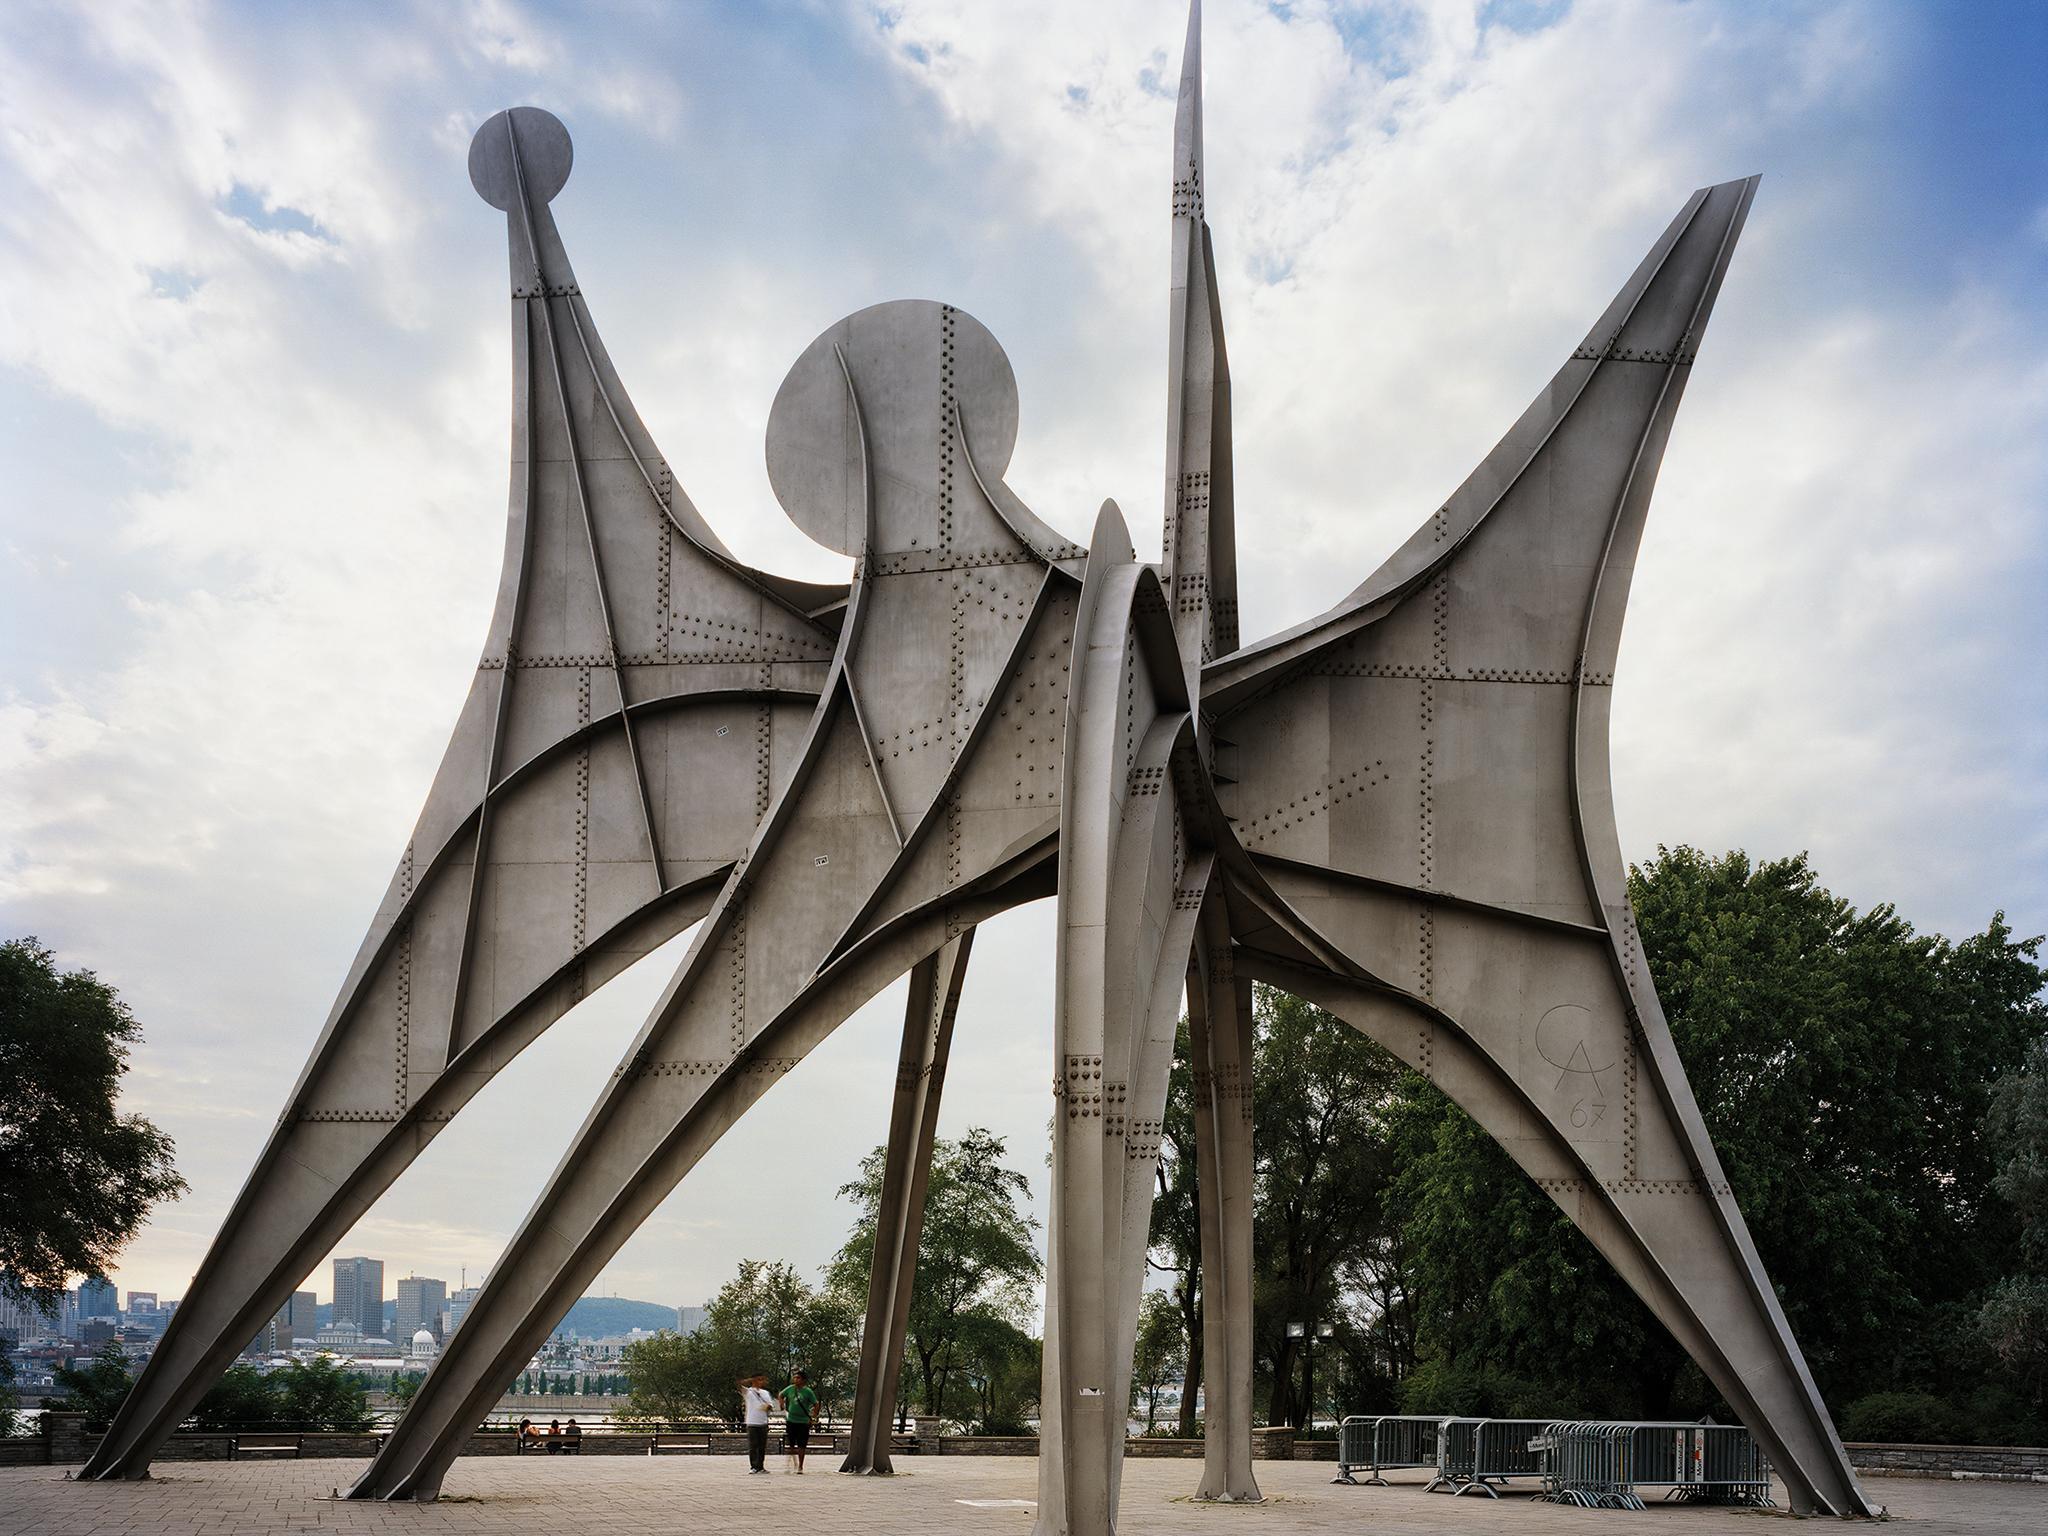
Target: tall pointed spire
[1187,116]
[1200,566]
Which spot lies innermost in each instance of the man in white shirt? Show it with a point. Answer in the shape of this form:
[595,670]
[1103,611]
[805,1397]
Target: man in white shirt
[754,1393]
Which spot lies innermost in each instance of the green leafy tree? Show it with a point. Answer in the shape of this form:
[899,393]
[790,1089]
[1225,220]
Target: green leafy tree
[2014,1325]
[976,1256]
[2013,1321]
[766,1320]
[1516,1314]
[8,1423]
[1174,1244]
[995,1375]
[1844,1066]
[77,1177]
[668,1380]
[320,1394]
[1322,1095]
[97,1388]
[1161,1353]
[2018,1130]
[244,1398]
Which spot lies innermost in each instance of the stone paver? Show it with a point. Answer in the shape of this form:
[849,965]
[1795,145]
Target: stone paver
[710,1496]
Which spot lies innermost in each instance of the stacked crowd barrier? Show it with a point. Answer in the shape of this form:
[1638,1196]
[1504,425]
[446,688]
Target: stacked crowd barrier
[1384,1443]
[1475,1455]
[1604,1464]
[1594,1464]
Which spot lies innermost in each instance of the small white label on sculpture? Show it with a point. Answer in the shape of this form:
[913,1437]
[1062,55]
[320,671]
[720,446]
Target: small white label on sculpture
[822,860]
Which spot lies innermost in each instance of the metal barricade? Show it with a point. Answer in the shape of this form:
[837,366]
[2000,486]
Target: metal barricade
[1604,1464]
[1455,1442]
[1384,1443]
[1487,1454]
[1581,1464]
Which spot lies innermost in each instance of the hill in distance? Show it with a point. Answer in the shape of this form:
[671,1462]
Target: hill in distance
[594,1317]
[601,1317]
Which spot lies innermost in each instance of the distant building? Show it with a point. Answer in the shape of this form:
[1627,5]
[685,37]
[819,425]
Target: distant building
[359,1294]
[23,1322]
[689,1319]
[144,1317]
[458,1306]
[298,1319]
[423,1348]
[98,1298]
[339,1335]
[420,1304]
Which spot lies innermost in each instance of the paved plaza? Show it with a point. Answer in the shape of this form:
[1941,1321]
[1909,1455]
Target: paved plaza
[708,1496]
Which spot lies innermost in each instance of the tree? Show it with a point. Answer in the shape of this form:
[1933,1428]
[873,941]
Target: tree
[666,1380]
[976,1256]
[76,1176]
[1844,1066]
[97,1388]
[7,1421]
[1161,1352]
[995,1370]
[2013,1321]
[1515,1312]
[1174,1244]
[2018,1130]
[1321,1094]
[320,1394]
[244,1398]
[765,1319]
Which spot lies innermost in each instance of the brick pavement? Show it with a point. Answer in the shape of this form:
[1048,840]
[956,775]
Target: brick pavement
[710,1496]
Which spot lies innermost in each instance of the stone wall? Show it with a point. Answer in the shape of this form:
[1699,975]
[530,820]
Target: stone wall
[1997,1463]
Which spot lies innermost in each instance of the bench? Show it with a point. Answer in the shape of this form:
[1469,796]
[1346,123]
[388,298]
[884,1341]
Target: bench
[538,1442]
[679,1445]
[264,1445]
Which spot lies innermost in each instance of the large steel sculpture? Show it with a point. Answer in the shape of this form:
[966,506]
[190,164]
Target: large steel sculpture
[1398,809]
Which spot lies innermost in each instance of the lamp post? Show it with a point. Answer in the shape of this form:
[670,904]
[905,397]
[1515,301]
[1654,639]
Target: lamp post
[1308,1336]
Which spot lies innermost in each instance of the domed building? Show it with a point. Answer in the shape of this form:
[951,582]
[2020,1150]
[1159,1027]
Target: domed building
[423,1347]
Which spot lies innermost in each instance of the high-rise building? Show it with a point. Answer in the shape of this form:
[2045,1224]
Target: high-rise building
[22,1321]
[359,1295]
[420,1302]
[98,1298]
[690,1319]
[297,1319]
[458,1304]
[142,1303]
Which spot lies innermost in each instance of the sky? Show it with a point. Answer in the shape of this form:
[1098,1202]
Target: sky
[254,385]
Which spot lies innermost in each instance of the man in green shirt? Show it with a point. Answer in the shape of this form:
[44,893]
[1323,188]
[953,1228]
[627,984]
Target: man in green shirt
[799,1406]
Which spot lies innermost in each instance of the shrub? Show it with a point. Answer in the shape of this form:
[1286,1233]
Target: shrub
[1912,1418]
